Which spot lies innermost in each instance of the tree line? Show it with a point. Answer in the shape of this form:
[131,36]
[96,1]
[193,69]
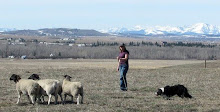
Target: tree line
[102,51]
[161,44]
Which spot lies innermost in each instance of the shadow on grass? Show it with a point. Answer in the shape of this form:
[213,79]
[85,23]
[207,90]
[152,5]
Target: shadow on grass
[24,104]
[144,89]
[123,97]
[53,103]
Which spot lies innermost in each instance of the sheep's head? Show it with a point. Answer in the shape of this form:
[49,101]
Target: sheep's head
[67,77]
[34,77]
[15,78]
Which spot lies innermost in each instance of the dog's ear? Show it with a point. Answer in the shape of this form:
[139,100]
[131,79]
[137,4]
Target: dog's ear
[159,92]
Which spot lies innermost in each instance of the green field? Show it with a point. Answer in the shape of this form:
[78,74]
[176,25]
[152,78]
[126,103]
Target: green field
[101,84]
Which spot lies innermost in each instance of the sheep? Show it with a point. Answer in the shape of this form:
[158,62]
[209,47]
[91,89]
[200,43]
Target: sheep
[28,87]
[50,87]
[73,89]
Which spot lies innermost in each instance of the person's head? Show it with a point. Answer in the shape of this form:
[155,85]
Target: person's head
[122,47]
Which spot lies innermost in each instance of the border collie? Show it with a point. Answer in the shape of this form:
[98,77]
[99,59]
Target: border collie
[170,91]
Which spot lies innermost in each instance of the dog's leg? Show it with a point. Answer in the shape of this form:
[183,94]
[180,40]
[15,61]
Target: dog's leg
[166,97]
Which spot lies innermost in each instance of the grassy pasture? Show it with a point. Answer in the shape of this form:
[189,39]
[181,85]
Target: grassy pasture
[101,84]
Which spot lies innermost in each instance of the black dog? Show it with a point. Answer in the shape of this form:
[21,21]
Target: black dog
[170,91]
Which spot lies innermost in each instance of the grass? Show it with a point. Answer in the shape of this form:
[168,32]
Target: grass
[101,84]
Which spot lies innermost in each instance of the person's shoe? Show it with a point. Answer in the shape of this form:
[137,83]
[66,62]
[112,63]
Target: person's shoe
[124,89]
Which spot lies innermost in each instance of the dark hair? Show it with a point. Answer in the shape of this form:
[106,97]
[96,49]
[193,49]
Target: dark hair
[125,50]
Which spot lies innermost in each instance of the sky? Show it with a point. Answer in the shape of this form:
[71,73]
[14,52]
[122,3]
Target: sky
[105,14]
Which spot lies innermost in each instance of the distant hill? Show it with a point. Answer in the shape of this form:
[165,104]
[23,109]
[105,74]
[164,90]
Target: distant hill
[57,32]
[6,29]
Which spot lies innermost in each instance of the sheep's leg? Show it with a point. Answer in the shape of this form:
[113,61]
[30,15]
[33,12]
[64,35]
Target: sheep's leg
[19,97]
[49,99]
[32,98]
[43,99]
[78,99]
[81,98]
[56,97]
[37,98]
[64,98]
[61,98]
[29,99]
[72,99]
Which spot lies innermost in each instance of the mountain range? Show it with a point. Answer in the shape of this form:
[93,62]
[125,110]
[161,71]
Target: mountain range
[196,29]
[199,29]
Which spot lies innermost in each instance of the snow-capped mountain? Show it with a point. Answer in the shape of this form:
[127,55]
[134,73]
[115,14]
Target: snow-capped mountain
[196,29]
[202,28]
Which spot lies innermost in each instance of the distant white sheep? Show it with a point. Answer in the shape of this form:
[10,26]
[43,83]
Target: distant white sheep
[28,87]
[73,89]
[50,87]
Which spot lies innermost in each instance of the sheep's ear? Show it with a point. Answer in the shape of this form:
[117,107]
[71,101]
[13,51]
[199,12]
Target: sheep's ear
[30,77]
[36,76]
[70,77]
[18,77]
[15,78]
[65,76]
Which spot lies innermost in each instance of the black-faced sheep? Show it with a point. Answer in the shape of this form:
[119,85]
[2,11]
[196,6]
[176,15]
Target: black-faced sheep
[28,87]
[50,87]
[73,89]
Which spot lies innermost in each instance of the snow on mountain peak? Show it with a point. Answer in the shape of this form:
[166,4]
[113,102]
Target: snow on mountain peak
[196,29]
[203,28]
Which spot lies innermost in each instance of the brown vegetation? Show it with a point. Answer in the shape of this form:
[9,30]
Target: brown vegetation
[38,51]
[105,48]
[101,84]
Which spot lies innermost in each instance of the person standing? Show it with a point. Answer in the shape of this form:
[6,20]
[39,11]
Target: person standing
[123,66]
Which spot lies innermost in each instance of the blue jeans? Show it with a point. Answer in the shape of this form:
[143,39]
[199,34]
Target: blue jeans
[123,81]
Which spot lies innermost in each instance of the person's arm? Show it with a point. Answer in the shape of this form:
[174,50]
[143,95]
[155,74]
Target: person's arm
[118,63]
[125,58]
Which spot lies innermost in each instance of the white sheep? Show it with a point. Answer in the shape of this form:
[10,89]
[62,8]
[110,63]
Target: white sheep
[73,89]
[28,87]
[50,87]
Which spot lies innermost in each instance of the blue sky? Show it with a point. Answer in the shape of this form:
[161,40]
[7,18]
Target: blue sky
[104,14]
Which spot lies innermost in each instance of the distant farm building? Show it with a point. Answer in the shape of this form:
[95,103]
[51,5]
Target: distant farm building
[81,45]
[23,57]
[11,57]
